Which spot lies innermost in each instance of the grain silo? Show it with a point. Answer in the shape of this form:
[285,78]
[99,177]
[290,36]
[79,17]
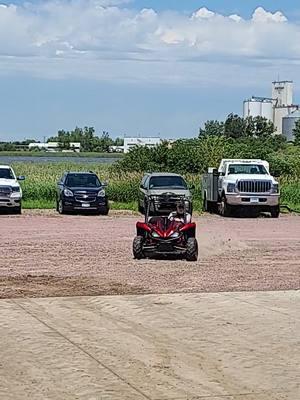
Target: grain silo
[289,123]
[258,107]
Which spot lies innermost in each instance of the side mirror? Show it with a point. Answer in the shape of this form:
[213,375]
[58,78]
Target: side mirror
[21,178]
[142,186]
[105,184]
[192,187]
[223,173]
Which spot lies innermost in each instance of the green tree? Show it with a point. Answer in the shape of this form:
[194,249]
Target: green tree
[235,126]
[212,128]
[104,142]
[296,132]
[260,126]
[63,139]
[119,142]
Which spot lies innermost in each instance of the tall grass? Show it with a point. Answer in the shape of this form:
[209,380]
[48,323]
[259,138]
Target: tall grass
[39,188]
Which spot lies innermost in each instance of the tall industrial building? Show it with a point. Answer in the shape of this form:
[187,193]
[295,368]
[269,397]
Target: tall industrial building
[282,95]
[276,108]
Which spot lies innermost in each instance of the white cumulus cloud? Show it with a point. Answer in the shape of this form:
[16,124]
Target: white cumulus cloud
[203,13]
[106,39]
[261,15]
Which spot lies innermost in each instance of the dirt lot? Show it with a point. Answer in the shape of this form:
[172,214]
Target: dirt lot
[204,346]
[44,254]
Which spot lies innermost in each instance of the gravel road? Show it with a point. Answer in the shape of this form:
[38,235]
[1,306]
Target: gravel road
[45,254]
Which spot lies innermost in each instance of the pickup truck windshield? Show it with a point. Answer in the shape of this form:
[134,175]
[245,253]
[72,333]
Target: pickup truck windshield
[82,180]
[157,182]
[6,173]
[255,169]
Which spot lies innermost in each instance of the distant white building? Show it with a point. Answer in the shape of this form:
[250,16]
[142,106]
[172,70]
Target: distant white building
[54,146]
[131,142]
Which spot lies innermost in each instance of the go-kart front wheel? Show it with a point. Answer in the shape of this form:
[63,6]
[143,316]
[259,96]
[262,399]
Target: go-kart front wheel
[137,247]
[192,249]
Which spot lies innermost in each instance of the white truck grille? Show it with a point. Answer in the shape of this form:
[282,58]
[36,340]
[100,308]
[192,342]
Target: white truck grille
[5,191]
[251,186]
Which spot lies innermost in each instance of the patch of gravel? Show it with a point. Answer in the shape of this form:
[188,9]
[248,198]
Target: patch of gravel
[45,254]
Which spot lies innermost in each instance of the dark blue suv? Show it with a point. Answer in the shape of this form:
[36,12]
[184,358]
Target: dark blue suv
[81,191]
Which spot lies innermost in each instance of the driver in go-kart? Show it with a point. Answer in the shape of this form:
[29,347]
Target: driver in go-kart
[178,215]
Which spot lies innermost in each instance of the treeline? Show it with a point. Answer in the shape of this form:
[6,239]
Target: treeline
[90,142]
[17,145]
[234,138]
[86,136]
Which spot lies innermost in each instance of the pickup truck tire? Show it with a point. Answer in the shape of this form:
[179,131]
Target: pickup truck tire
[141,209]
[275,212]
[137,247]
[205,203]
[18,210]
[224,209]
[208,206]
[191,249]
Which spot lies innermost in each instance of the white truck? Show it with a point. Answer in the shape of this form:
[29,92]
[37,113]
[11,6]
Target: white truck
[10,189]
[239,184]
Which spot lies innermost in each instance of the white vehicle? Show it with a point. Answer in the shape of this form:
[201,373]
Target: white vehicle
[10,189]
[241,183]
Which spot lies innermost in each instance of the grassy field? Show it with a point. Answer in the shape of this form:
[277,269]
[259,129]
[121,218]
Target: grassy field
[39,187]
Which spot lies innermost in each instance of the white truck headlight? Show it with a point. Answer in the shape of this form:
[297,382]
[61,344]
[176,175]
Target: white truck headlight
[231,188]
[101,193]
[16,195]
[275,188]
[68,193]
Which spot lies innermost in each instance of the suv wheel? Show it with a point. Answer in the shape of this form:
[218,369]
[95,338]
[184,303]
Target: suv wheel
[61,207]
[103,211]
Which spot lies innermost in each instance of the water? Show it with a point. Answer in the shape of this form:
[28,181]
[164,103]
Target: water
[7,160]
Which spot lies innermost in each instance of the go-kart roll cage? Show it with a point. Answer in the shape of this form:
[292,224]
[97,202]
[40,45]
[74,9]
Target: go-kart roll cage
[170,200]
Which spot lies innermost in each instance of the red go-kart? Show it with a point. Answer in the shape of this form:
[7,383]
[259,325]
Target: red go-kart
[159,236]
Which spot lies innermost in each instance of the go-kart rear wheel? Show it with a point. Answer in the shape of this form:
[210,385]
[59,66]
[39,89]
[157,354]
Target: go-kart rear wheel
[192,249]
[137,247]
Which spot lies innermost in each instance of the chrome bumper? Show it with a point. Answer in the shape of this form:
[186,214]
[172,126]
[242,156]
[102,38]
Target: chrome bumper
[10,202]
[259,199]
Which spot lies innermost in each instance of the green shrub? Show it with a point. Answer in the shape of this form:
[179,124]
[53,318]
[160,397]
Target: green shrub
[39,187]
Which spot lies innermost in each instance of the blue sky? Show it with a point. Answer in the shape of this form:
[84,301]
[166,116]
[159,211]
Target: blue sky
[129,71]
[243,7]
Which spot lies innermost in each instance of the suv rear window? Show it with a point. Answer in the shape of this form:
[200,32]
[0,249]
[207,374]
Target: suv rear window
[82,180]
[157,182]
[6,173]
